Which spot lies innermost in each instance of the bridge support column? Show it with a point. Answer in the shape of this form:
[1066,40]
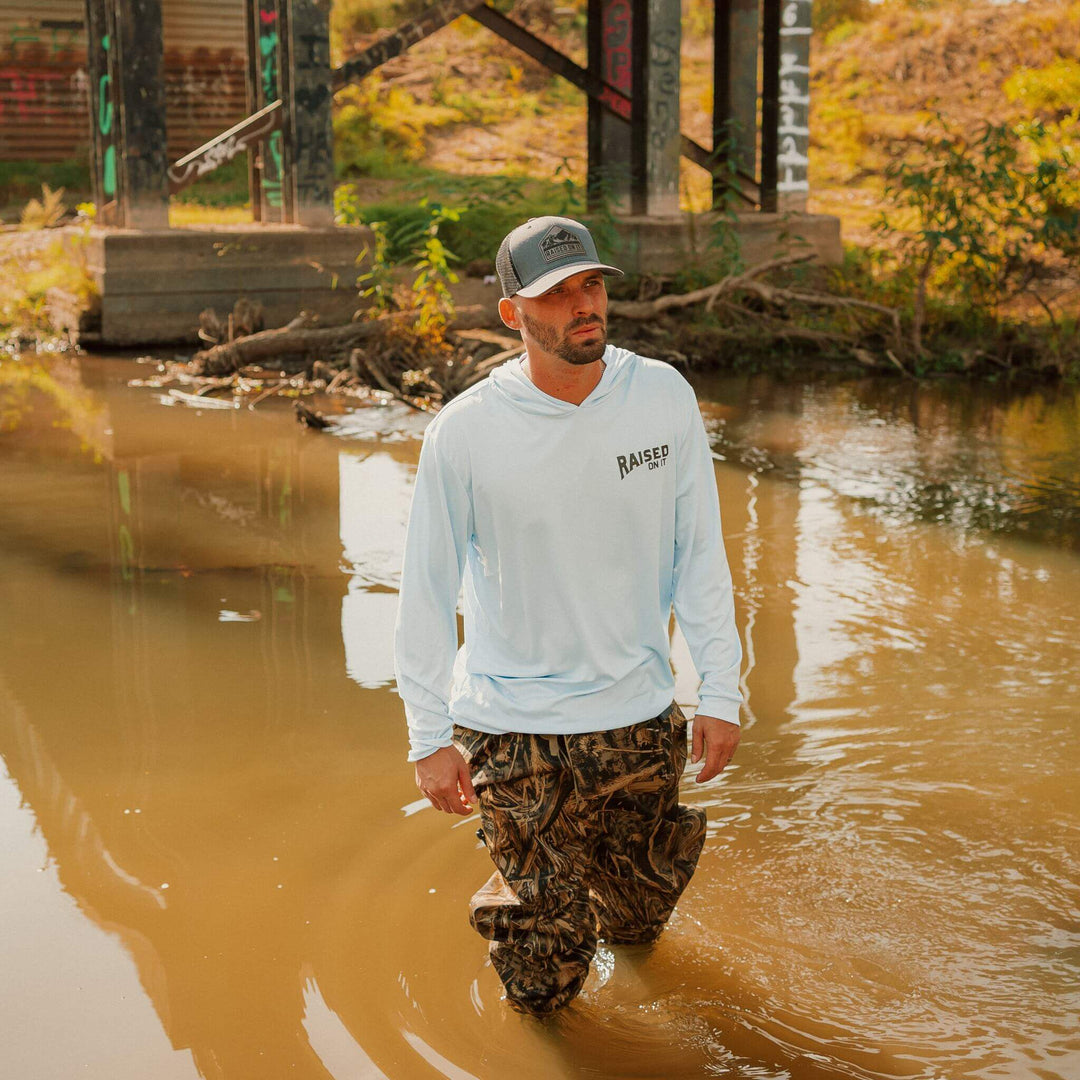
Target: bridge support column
[736,29]
[610,23]
[634,45]
[126,68]
[145,159]
[793,105]
[309,100]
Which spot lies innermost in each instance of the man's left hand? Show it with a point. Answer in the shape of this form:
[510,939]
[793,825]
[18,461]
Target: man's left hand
[717,739]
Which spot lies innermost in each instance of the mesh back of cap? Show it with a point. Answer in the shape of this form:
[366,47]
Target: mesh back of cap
[504,267]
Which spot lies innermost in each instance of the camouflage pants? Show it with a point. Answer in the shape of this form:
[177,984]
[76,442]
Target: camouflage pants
[588,839]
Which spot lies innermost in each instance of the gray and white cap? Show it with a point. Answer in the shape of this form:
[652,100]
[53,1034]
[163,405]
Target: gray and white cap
[536,256]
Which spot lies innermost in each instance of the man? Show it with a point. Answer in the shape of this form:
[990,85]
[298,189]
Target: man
[573,491]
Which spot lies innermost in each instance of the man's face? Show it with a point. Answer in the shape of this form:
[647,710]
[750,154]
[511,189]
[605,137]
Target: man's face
[569,320]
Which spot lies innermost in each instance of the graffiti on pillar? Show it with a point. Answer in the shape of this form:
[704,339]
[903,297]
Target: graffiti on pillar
[105,120]
[793,130]
[616,67]
[269,46]
[663,88]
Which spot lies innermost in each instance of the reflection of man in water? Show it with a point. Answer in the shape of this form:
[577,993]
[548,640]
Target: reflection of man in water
[574,492]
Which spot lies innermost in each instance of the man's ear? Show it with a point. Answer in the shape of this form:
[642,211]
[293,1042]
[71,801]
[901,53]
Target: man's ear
[508,313]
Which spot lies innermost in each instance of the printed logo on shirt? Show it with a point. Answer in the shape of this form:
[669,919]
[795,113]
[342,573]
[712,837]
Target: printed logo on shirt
[653,456]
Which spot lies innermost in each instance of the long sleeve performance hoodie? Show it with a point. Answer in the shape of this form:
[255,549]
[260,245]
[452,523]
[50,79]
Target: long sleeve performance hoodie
[575,529]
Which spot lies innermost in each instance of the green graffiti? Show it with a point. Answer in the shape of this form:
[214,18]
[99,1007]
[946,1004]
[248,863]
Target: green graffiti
[285,503]
[22,35]
[69,41]
[108,171]
[105,106]
[127,553]
[105,123]
[272,181]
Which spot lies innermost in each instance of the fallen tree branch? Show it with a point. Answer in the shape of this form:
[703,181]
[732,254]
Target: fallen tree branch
[775,295]
[296,338]
[649,309]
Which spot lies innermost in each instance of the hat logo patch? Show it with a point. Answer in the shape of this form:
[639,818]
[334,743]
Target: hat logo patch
[558,243]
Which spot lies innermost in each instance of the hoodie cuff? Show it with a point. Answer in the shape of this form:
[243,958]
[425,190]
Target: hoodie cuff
[422,746]
[721,708]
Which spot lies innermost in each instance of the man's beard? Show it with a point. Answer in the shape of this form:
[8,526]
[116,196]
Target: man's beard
[585,352]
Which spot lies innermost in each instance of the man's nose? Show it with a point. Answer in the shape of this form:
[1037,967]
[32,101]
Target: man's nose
[586,301]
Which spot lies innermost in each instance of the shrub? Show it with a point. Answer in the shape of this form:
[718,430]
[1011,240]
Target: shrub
[977,214]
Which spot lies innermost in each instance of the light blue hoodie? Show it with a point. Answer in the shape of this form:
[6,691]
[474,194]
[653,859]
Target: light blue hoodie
[575,528]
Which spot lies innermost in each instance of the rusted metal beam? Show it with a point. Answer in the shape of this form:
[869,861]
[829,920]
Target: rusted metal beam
[224,147]
[640,44]
[588,81]
[438,15]
[770,102]
[404,37]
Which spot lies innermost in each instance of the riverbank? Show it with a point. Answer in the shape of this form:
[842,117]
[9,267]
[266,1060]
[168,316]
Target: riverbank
[795,317]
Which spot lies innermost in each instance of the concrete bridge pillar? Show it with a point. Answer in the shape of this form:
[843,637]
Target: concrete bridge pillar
[310,99]
[634,157]
[127,83]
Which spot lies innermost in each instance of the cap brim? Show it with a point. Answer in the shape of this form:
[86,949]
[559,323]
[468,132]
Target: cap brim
[553,277]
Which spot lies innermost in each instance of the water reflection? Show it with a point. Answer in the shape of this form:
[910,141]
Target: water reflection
[209,823]
[993,460]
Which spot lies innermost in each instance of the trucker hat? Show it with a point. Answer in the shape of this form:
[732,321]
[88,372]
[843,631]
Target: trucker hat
[536,256]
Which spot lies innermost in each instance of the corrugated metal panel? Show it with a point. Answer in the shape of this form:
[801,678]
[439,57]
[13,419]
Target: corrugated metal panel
[43,91]
[42,79]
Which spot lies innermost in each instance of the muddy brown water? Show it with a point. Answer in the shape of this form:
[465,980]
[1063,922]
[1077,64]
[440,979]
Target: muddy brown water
[214,862]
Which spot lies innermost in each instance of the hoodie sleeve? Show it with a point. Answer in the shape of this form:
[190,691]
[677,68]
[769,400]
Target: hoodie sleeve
[702,591]
[425,636]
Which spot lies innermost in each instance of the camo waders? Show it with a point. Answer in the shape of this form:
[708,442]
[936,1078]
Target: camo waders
[588,838]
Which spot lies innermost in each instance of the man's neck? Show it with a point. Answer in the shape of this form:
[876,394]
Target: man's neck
[558,379]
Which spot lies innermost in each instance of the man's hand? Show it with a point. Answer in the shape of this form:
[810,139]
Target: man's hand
[444,779]
[717,739]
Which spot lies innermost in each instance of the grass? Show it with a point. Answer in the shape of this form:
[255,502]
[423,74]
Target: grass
[21,181]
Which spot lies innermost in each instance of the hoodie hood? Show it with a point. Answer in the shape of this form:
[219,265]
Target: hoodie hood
[511,382]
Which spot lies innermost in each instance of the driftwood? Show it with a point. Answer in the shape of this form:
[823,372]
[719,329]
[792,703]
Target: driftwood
[297,338]
[773,296]
[650,309]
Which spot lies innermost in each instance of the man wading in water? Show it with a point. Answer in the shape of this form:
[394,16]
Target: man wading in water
[574,490]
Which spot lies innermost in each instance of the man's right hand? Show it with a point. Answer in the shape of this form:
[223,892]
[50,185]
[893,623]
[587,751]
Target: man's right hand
[444,779]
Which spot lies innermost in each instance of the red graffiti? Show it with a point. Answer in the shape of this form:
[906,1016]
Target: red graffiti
[616,102]
[616,64]
[21,91]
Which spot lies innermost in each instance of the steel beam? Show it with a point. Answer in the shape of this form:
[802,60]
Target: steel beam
[404,37]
